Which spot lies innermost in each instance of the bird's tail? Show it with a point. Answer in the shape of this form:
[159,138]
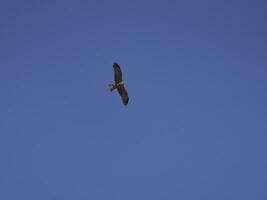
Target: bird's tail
[111,87]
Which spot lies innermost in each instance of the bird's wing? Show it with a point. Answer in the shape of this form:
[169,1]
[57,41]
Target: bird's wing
[124,95]
[117,73]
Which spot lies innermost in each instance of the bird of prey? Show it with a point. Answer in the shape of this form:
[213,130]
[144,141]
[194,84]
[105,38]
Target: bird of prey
[119,85]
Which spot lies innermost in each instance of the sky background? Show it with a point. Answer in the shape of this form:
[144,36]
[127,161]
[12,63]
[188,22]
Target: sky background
[196,123]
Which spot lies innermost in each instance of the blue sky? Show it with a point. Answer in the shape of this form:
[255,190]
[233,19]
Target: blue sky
[195,126]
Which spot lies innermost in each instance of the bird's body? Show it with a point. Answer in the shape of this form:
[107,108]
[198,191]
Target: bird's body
[119,84]
[115,86]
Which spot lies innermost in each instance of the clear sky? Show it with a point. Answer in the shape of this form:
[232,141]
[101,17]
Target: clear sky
[196,123]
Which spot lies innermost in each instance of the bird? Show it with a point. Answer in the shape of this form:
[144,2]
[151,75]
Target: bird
[119,84]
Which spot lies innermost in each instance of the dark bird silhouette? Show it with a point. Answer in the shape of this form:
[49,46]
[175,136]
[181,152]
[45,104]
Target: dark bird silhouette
[119,84]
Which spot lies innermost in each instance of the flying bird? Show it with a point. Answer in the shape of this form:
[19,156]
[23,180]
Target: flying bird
[119,84]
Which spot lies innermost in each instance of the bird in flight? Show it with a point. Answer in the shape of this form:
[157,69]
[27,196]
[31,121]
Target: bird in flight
[119,84]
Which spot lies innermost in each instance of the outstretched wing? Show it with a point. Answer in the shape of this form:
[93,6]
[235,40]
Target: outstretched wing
[123,93]
[117,73]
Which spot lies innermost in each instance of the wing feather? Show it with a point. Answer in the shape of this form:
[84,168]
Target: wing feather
[117,73]
[124,94]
